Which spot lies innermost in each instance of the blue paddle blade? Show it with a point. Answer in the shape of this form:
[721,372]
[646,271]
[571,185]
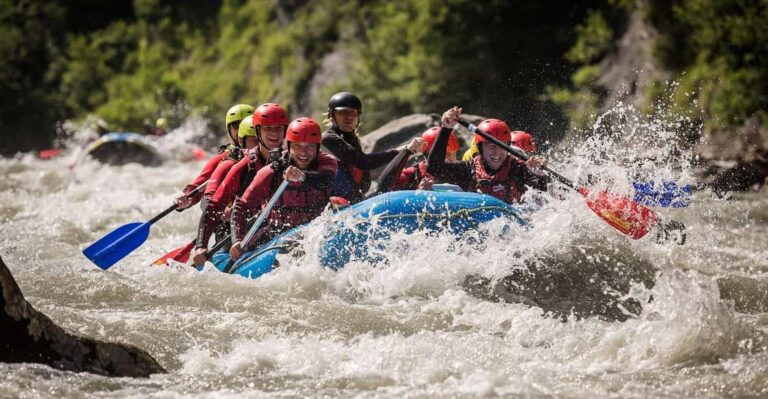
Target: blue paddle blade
[669,194]
[117,244]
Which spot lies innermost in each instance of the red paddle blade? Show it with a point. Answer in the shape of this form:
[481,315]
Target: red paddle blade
[621,213]
[180,255]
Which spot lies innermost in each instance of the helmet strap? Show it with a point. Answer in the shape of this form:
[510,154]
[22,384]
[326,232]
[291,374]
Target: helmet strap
[332,115]
[236,139]
[258,135]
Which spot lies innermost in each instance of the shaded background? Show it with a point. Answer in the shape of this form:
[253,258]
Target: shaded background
[546,66]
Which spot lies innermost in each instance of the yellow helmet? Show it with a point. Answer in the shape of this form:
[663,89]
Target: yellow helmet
[237,113]
[246,127]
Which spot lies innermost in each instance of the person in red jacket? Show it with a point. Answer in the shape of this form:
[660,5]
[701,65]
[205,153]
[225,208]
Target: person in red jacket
[495,172]
[259,134]
[310,173]
[416,177]
[231,122]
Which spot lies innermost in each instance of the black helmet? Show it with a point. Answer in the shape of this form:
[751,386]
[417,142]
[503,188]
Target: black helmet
[345,100]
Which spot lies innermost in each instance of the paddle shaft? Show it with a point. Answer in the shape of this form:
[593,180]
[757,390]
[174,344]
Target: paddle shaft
[387,175]
[226,240]
[252,231]
[176,206]
[264,213]
[514,151]
[120,242]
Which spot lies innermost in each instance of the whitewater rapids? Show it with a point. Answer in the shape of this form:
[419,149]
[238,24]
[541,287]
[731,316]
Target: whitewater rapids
[405,329]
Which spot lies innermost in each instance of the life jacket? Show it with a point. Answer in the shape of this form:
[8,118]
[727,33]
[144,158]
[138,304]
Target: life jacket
[232,152]
[356,175]
[299,203]
[504,184]
[254,164]
[419,173]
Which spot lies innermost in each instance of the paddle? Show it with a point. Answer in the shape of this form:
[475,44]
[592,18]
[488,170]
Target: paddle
[180,255]
[617,210]
[384,182]
[123,240]
[263,216]
[663,194]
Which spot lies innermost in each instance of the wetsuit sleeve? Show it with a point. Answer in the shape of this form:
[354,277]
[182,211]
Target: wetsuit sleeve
[325,173]
[214,212]
[209,221]
[529,179]
[204,175]
[351,155]
[459,173]
[229,186]
[217,177]
[250,202]
[389,178]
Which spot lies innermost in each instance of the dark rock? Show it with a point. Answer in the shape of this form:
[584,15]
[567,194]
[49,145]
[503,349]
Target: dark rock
[397,132]
[400,131]
[29,336]
[735,161]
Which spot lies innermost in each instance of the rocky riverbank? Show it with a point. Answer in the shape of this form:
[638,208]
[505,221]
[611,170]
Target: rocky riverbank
[31,337]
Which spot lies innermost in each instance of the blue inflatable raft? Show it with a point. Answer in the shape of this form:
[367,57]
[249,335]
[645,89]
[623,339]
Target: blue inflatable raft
[357,229]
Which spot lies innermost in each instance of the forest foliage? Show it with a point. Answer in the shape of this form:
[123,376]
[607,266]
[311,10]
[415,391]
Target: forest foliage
[526,62]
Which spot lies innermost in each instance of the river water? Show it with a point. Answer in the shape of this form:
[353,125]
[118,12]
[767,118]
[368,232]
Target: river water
[407,328]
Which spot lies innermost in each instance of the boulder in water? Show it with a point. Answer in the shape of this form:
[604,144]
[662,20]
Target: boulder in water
[398,132]
[29,336]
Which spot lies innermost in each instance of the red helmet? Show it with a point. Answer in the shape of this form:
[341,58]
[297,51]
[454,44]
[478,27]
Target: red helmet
[270,114]
[303,130]
[524,141]
[496,128]
[430,135]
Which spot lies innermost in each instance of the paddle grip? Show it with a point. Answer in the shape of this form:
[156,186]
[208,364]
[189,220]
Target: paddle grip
[227,240]
[219,245]
[514,151]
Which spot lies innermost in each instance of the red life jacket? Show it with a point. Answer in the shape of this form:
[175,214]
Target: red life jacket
[356,175]
[503,185]
[254,164]
[298,205]
[419,173]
